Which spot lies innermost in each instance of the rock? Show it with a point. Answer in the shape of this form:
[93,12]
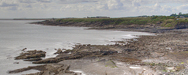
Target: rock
[67,51]
[49,69]
[59,51]
[16,62]
[171,69]
[156,54]
[31,54]
[24,49]
[41,67]
[33,59]
[181,26]
[75,55]
[110,63]
[48,60]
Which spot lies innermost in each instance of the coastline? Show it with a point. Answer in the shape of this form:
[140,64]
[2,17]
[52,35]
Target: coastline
[150,52]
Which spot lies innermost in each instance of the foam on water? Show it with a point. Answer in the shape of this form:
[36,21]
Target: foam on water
[79,72]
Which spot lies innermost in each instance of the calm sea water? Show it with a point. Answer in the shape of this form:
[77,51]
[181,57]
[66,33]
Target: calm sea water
[16,35]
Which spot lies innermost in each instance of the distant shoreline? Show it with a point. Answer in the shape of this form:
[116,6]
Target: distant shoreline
[142,24]
[28,19]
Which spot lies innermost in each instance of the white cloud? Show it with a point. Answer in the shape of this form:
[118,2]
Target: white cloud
[26,1]
[114,4]
[83,8]
[183,7]
[157,5]
[75,1]
[45,1]
[136,3]
[7,5]
[13,8]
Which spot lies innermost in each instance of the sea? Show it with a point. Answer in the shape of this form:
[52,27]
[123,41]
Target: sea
[16,35]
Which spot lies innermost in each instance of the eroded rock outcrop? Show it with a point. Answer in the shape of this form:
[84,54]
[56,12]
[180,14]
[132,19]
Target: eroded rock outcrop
[59,51]
[75,55]
[32,55]
[49,69]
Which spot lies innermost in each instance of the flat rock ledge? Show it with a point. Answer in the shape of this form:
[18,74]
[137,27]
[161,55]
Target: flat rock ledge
[75,55]
[49,69]
[32,55]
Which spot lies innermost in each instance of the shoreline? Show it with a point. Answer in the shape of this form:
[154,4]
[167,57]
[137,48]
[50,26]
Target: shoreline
[150,52]
[149,28]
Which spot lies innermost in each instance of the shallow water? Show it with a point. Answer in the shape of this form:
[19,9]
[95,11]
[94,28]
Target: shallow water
[18,34]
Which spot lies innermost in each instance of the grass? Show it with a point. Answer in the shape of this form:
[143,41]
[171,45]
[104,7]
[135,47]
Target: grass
[179,68]
[165,21]
[106,21]
[110,63]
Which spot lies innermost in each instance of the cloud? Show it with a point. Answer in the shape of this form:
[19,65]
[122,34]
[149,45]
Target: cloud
[75,1]
[28,6]
[135,3]
[13,8]
[83,8]
[45,1]
[183,7]
[7,5]
[27,1]
[157,6]
[114,4]
[35,1]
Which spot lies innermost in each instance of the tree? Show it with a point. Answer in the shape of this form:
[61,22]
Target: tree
[173,15]
[180,13]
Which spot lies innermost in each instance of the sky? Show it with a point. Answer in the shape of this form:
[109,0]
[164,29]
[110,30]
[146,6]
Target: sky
[90,8]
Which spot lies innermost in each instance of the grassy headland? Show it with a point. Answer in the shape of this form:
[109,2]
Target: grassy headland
[156,22]
[120,21]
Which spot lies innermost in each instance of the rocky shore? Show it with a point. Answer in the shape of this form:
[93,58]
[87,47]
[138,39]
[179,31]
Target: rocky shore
[154,28]
[165,53]
[115,24]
